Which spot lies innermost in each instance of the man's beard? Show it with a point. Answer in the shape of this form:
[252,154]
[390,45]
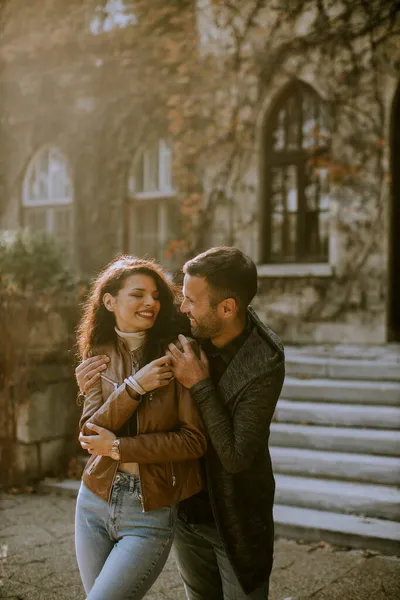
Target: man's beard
[207,328]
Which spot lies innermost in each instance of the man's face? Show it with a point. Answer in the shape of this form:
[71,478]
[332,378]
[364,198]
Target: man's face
[205,321]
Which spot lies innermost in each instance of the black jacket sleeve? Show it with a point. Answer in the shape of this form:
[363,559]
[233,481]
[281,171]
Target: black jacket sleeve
[238,434]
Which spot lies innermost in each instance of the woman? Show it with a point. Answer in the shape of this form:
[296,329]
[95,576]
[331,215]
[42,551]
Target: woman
[141,428]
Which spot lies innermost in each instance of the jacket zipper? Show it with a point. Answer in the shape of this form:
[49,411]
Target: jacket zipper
[113,383]
[141,495]
[97,459]
[94,463]
[173,475]
[142,498]
[115,386]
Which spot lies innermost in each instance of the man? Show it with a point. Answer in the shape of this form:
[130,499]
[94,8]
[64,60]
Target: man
[224,538]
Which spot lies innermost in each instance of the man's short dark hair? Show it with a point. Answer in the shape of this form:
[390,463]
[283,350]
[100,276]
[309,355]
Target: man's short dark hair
[228,272]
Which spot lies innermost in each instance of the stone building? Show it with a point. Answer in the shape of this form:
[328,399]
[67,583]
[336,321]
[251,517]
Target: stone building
[145,126]
[313,198]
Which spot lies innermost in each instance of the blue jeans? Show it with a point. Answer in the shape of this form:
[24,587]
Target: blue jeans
[120,549]
[204,566]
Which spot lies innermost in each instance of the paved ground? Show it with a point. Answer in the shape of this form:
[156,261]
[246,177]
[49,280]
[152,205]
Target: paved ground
[37,561]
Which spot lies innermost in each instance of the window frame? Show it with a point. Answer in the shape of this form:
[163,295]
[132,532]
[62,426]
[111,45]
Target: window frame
[51,204]
[272,158]
[163,197]
[163,170]
[33,165]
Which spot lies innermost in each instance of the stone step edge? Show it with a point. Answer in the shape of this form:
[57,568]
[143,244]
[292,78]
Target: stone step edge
[351,439]
[379,501]
[346,487]
[336,465]
[369,393]
[342,415]
[339,529]
[337,430]
[302,403]
[362,372]
[335,455]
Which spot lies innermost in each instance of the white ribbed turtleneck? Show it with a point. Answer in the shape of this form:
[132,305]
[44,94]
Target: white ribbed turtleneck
[133,340]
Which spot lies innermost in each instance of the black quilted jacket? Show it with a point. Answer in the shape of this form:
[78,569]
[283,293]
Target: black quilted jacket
[237,415]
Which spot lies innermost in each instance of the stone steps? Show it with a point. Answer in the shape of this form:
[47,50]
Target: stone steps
[337,465]
[336,528]
[341,439]
[299,365]
[353,392]
[342,415]
[365,499]
[335,447]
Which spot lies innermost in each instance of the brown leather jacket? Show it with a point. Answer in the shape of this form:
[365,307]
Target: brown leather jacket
[170,435]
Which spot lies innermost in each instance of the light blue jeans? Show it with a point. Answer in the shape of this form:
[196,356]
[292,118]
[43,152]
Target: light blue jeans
[120,549]
[204,566]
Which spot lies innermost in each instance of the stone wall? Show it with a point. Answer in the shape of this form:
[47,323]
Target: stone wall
[47,423]
[39,413]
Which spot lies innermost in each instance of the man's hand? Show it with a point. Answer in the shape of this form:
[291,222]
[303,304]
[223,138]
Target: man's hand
[188,369]
[97,444]
[89,371]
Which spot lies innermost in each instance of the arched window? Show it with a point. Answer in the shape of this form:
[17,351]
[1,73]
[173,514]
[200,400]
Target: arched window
[296,194]
[153,219]
[47,195]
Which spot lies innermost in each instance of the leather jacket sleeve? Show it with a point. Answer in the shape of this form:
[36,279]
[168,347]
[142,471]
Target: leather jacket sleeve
[112,413]
[186,442]
[238,435]
[93,401]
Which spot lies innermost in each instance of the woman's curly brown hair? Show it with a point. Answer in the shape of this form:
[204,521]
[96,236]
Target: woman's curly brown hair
[97,323]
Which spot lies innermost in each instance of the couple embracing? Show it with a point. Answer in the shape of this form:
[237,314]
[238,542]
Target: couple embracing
[177,429]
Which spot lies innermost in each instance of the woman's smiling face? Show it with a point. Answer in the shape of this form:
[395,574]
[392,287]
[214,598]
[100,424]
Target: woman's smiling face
[136,305]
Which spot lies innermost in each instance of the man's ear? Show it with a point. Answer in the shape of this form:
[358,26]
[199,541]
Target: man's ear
[229,308]
[109,302]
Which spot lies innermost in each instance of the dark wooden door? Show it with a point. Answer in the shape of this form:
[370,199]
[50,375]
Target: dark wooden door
[394,265]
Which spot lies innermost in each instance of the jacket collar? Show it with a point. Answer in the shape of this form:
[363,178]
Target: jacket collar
[261,352]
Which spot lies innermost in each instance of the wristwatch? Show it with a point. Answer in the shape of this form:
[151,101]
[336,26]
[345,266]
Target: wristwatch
[115,451]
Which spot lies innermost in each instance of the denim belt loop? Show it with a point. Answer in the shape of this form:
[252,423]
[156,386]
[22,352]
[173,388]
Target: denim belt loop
[131,484]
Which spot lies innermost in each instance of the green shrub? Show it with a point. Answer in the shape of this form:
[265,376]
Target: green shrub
[34,263]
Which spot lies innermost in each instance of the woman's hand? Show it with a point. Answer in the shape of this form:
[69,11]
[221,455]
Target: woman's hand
[156,374]
[97,444]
